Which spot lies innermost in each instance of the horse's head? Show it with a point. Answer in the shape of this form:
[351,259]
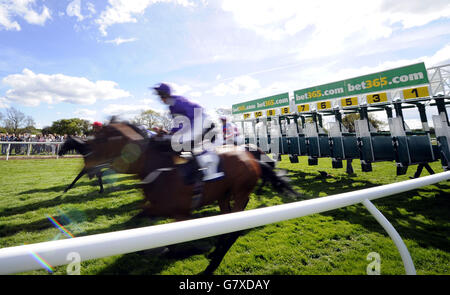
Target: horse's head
[120,144]
[73,143]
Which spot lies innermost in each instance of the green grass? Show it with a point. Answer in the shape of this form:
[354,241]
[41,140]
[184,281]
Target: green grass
[334,242]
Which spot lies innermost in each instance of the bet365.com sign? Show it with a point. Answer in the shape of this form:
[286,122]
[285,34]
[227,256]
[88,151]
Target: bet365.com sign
[411,75]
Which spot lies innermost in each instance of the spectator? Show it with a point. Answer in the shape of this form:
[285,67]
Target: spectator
[4,137]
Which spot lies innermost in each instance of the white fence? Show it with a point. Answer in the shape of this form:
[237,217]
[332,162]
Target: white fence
[20,258]
[29,148]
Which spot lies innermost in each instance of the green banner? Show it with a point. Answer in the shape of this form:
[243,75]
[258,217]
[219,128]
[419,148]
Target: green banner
[275,101]
[411,75]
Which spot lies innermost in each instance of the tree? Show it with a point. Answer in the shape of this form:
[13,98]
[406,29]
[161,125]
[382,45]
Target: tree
[151,118]
[14,120]
[46,130]
[70,127]
[29,125]
[349,121]
[147,118]
[29,121]
[166,121]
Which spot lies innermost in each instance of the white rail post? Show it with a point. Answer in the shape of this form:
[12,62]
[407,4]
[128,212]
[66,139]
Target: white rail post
[7,151]
[404,253]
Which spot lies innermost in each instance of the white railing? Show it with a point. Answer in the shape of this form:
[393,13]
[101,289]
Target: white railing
[29,145]
[20,258]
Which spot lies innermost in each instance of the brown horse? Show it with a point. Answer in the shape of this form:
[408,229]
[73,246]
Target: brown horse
[167,194]
[98,153]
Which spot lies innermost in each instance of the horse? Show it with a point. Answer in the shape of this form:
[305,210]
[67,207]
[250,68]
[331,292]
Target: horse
[94,159]
[79,145]
[166,192]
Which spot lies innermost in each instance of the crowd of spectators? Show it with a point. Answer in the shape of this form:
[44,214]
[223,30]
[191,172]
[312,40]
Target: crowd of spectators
[22,149]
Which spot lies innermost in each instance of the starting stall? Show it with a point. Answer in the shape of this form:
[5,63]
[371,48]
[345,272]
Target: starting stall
[297,128]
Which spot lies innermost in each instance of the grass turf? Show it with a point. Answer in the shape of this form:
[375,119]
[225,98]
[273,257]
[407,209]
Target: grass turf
[334,242]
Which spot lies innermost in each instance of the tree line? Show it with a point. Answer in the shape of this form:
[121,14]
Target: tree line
[13,121]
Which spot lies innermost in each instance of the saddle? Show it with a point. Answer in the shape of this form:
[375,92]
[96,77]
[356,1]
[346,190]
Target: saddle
[196,170]
[204,167]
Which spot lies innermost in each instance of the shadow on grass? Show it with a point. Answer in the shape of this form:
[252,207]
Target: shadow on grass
[420,215]
[155,261]
[93,182]
[66,199]
[312,185]
[423,219]
[89,215]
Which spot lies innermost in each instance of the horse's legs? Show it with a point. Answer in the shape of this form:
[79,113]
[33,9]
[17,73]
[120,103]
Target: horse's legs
[225,206]
[100,181]
[82,172]
[226,241]
[223,245]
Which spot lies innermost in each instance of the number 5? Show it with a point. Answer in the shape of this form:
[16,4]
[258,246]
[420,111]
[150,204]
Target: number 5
[348,102]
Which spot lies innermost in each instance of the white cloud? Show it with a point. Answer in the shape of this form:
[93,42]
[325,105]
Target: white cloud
[74,9]
[328,26]
[10,9]
[31,89]
[91,8]
[132,109]
[119,40]
[85,114]
[178,89]
[3,103]
[126,110]
[195,94]
[441,57]
[240,85]
[125,11]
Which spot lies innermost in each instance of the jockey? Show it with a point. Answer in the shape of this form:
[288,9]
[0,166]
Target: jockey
[97,126]
[230,132]
[186,112]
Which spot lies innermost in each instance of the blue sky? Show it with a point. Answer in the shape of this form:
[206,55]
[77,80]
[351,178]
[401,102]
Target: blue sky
[92,59]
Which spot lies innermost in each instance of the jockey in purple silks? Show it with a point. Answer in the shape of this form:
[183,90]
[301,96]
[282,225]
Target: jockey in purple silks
[200,124]
[180,106]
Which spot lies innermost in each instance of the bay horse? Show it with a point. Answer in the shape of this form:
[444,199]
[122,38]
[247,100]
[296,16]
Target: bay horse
[165,190]
[79,145]
[95,162]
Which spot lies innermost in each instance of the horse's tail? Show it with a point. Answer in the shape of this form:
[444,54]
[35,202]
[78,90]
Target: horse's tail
[259,155]
[278,180]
